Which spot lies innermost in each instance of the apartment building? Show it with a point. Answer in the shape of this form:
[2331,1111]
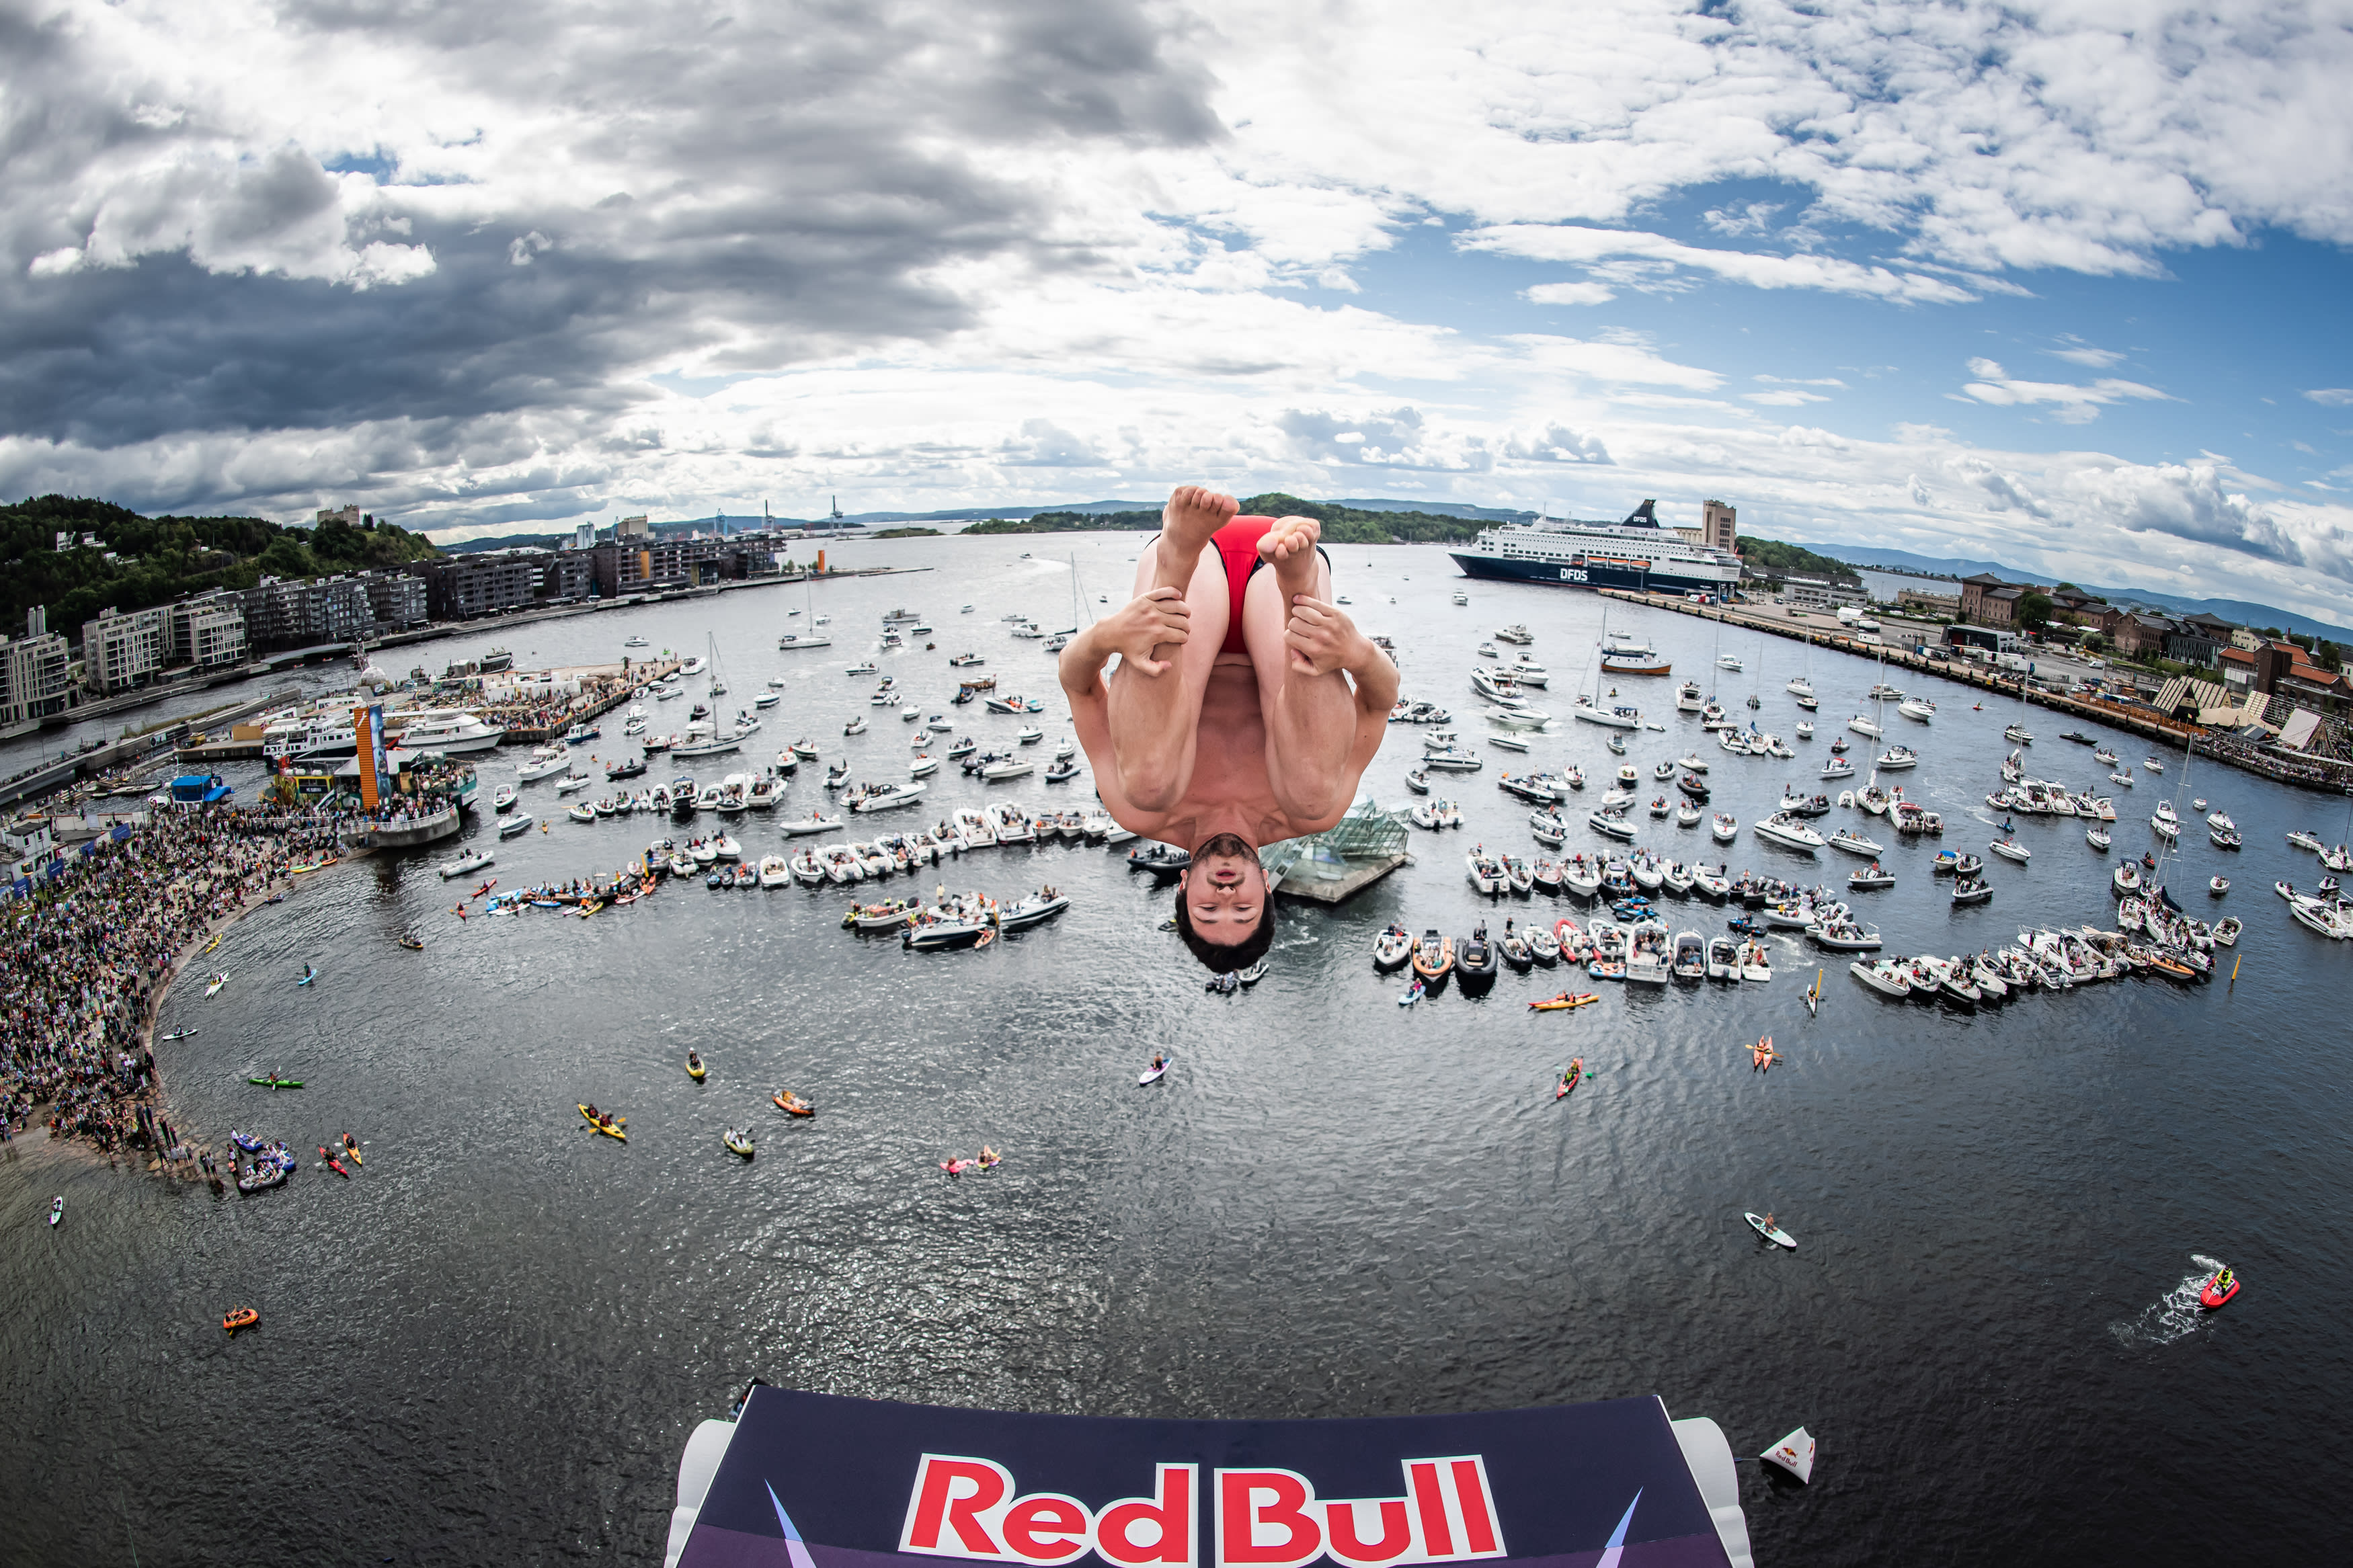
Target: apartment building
[35,672]
[120,650]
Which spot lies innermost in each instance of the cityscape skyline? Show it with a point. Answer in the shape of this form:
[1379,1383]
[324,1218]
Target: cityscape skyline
[1987,281]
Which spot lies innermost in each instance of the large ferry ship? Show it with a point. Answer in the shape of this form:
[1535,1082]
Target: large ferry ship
[1638,553]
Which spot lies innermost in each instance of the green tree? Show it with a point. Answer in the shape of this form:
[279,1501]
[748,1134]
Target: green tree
[2034,611]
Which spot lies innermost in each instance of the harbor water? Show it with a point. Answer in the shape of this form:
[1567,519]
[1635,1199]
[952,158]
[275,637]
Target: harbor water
[491,1340]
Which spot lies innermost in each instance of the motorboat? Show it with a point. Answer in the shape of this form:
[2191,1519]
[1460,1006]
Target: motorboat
[520,822]
[2012,849]
[1882,975]
[1789,833]
[1898,757]
[1918,708]
[1861,724]
[1724,827]
[803,826]
[1855,843]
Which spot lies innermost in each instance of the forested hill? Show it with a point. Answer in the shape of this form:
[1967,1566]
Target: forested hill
[1342,524]
[155,560]
[1770,555]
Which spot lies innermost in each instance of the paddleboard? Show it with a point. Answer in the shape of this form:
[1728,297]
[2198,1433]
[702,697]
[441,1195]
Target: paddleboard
[1154,1075]
[307,979]
[1772,1233]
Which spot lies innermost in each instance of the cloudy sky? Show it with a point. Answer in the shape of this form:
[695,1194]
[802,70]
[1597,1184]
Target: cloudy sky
[2058,284]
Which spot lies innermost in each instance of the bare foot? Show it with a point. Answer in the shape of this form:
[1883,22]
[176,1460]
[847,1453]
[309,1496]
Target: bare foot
[1193,513]
[1290,548]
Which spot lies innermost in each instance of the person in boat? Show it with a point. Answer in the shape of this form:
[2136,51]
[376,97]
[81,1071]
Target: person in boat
[692,1059]
[594,1114]
[990,1157]
[1244,707]
[2224,1280]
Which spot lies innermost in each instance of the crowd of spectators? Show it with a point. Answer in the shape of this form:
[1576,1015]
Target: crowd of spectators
[86,950]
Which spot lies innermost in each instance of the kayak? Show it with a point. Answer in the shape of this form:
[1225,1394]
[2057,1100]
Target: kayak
[696,1072]
[237,1318]
[277,1082]
[176,1035]
[1570,1079]
[1154,1075]
[609,1126]
[216,985]
[336,1165]
[1762,1055]
[1563,1002]
[792,1104]
[2210,1298]
[1772,1233]
[351,1149]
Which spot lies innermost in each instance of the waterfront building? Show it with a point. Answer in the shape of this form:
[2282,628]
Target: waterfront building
[1987,601]
[120,650]
[207,630]
[1719,528]
[281,614]
[2138,634]
[494,582]
[652,565]
[35,672]
[397,601]
[2198,639]
[1821,593]
[1927,602]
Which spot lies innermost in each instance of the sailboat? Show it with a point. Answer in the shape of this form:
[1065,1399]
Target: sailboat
[2016,729]
[792,641]
[1871,797]
[718,677]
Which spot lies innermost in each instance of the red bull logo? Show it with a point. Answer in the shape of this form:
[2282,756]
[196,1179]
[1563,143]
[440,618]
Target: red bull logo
[1265,1518]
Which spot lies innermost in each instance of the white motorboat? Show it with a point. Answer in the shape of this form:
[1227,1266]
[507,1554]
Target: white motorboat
[1855,843]
[1862,724]
[472,860]
[1724,827]
[520,822]
[2012,849]
[1007,768]
[1918,708]
[1882,975]
[451,733]
[1788,832]
[887,797]
[922,767]
[814,822]
[1611,823]
[545,763]
[1896,758]
[774,870]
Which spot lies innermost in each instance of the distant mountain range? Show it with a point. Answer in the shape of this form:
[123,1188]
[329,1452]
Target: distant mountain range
[2239,611]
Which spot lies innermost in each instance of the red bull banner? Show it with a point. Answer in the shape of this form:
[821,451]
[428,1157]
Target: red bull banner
[816,1481]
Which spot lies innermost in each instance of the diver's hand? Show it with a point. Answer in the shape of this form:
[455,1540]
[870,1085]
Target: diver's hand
[1157,617]
[1321,639]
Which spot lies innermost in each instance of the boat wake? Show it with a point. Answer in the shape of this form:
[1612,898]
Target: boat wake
[2173,1316]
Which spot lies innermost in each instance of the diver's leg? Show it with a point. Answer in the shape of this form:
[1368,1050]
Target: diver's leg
[1311,718]
[1155,721]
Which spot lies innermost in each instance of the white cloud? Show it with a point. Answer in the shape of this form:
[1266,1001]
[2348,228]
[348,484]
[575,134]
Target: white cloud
[1785,397]
[2087,356]
[2071,405]
[1572,293]
[2332,396]
[1575,243]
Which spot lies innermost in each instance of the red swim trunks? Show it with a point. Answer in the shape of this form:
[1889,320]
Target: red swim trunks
[1237,545]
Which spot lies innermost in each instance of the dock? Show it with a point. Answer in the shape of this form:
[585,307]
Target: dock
[1303,880]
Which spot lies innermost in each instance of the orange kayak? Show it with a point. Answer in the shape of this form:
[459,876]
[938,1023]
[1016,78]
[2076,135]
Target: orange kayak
[1563,1002]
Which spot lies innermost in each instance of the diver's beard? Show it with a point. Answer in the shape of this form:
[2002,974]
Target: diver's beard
[1224,844]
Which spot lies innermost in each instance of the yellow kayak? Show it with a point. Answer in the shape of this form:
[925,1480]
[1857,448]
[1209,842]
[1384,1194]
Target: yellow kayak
[609,1126]
[696,1072]
[1563,1002]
